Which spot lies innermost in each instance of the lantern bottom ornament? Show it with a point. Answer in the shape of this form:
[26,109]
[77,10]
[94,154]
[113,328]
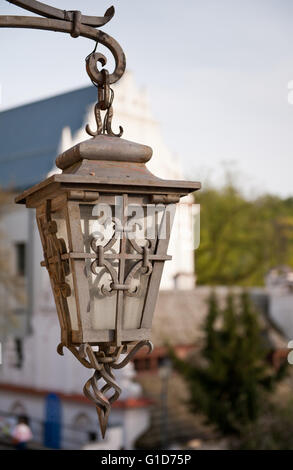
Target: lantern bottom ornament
[105,224]
[103,361]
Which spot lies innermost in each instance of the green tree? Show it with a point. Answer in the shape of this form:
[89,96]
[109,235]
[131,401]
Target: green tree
[241,239]
[228,383]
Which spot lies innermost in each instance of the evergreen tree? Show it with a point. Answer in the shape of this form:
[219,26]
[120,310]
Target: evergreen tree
[228,383]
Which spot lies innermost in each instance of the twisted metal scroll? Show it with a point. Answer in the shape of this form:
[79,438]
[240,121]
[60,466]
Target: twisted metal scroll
[103,361]
[142,263]
[105,101]
[54,249]
[75,24]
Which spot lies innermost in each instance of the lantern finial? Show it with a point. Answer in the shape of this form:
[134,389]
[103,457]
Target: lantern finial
[103,361]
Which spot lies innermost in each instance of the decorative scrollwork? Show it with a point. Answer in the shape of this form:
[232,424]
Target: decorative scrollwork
[58,267]
[103,361]
[75,24]
[141,264]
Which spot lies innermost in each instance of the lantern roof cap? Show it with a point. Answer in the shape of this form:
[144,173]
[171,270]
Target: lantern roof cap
[108,164]
[105,148]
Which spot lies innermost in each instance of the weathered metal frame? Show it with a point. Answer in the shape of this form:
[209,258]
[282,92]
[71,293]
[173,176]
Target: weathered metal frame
[76,255]
[100,167]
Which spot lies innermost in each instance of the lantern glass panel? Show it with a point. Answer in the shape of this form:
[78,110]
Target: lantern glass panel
[143,222]
[122,228]
[97,228]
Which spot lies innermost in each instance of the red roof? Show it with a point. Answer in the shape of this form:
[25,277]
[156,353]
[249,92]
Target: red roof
[122,404]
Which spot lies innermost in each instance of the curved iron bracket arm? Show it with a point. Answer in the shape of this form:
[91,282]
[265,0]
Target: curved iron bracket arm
[51,12]
[74,23]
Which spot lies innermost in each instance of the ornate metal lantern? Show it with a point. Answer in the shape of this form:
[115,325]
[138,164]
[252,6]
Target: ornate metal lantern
[105,224]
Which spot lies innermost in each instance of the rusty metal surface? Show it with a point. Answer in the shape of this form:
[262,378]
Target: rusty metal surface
[75,24]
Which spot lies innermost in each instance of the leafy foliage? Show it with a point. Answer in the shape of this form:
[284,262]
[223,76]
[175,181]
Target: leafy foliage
[242,239]
[228,383]
[273,430]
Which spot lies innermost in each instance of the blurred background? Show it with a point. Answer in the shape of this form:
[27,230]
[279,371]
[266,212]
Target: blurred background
[209,87]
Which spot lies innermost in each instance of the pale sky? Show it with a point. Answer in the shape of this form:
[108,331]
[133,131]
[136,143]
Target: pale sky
[217,73]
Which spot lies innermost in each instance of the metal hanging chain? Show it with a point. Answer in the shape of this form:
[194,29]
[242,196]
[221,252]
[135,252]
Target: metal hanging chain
[105,101]
[75,24]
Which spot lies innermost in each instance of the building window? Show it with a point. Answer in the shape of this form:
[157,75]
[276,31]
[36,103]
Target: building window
[92,436]
[20,251]
[83,429]
[18,353]
[17,409]
[82,421]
